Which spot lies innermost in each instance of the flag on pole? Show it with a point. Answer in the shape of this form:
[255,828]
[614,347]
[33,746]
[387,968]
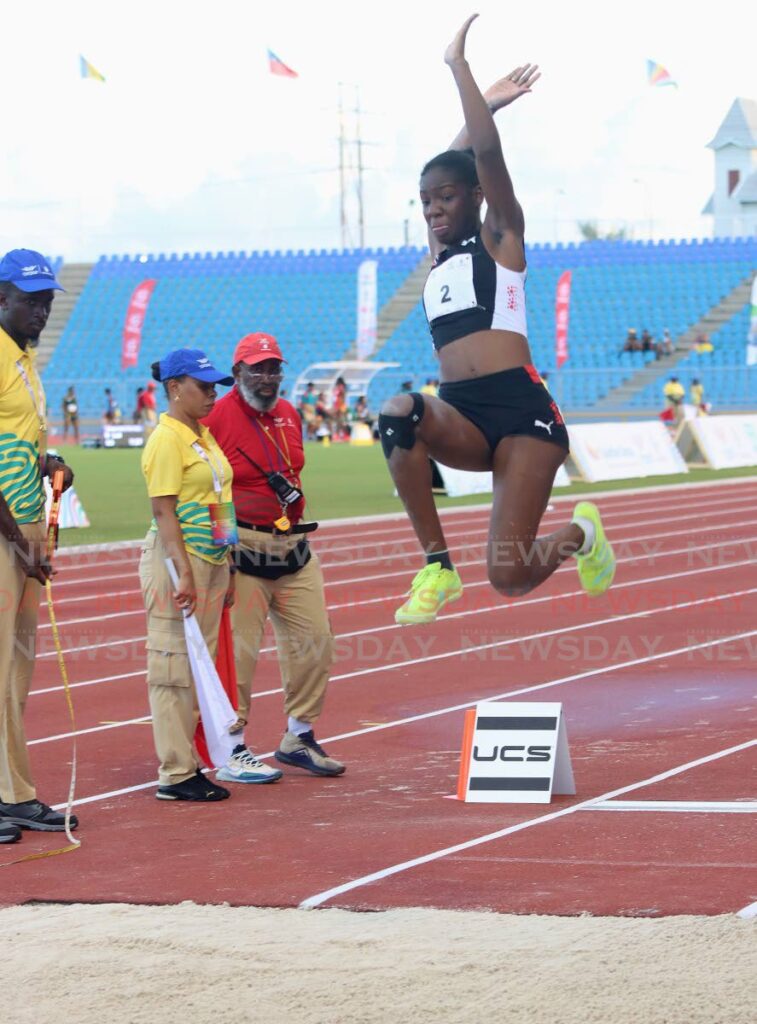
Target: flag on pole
[751,350]
[562,315]
[277,66]
[225,666]
[88,71]
[216,713]
[658,75]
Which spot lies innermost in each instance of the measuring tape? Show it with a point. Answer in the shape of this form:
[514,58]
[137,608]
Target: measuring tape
[51,545]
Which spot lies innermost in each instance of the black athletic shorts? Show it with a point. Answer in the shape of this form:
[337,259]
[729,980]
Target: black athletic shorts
[508,403]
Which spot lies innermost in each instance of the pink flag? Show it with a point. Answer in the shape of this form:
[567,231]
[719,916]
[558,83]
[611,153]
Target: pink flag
[135,317]
[562,311]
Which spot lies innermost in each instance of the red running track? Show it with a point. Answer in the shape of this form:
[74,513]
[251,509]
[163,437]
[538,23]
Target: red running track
[657,680]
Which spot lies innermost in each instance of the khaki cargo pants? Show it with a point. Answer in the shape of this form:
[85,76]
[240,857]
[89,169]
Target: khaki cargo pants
[304,641]
[19,609]
[173,699]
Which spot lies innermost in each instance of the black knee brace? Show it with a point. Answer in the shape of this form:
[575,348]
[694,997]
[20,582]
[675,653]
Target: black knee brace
[399,431]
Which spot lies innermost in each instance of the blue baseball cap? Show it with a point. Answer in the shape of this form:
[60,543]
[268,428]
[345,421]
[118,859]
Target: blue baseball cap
[191,362]
[28,270]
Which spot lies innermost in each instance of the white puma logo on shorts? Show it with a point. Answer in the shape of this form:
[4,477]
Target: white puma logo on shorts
[547,426]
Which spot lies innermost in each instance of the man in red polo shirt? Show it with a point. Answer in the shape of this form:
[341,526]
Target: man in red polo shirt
[261,436]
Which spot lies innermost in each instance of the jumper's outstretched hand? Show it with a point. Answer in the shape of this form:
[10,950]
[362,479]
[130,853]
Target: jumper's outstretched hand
[520,81]
[455,52]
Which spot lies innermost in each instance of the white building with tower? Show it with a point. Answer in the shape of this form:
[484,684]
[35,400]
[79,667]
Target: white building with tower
[733,204]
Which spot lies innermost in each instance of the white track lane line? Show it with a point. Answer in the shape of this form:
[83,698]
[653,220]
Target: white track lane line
[452,615]
[476,649]
[603,670]
[626,584]
[617,542]
[323,897]
[413,553]
[748,913]
[617,496]
[476,511]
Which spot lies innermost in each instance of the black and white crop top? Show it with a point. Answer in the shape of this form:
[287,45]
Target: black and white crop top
[466,291]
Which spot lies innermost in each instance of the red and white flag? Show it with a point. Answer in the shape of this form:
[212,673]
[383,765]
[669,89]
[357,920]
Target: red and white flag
[562,313]
[135,318]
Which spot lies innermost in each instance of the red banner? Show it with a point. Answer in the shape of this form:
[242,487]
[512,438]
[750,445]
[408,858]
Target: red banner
[135,317]
[562,311]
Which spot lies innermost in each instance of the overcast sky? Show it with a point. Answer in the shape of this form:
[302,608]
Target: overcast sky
[192,144]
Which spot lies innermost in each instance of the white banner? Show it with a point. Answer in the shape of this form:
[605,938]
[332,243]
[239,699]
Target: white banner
[71,512]
[367,310]
[726,441]
[751,348]
[459,482]
[616,451]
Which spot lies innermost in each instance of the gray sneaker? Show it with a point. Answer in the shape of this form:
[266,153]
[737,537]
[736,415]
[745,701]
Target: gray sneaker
[303,752]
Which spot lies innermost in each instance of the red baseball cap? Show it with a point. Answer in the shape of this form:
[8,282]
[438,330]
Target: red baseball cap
[255,348]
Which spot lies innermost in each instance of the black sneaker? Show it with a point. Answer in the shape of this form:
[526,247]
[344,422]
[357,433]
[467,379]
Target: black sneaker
[36,816]
[9,833]
[198,788]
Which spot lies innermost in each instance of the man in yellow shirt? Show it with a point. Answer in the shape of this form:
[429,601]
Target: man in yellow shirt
[27,286]
[674,393]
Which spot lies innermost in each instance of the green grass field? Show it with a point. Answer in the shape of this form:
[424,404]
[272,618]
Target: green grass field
[339,481]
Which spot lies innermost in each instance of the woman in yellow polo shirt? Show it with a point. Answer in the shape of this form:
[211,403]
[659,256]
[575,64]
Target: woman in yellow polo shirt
[189,483]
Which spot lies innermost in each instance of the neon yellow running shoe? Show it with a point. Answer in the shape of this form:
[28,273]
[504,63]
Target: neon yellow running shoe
[596,569]
[432,588]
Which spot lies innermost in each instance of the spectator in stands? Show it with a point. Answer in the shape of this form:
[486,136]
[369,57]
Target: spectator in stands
[674,394]
[697,397]
[430,387]
[188,482]
[665,346]
[71,414]
[27,287]
[278,574]
[703,344]
[632,343]
[647,341]
[406,387]
[492,413]
[544,377]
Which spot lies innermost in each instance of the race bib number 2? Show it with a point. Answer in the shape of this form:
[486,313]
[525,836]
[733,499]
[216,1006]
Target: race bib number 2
[449,287]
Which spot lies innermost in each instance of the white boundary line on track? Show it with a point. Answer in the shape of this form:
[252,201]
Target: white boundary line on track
[748,913]
[678,806]
[391,626]
[406,535]
[454,614]
[617,541]
[464,651]
[508,694]
[472,544]
[86,549]
[328,894]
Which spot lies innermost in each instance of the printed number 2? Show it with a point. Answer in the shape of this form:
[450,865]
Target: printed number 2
[445,293]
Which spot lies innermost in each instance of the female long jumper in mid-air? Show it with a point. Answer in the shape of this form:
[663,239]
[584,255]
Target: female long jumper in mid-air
[493,412]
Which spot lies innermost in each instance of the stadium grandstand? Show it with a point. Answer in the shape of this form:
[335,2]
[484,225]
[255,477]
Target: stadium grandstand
[307,300]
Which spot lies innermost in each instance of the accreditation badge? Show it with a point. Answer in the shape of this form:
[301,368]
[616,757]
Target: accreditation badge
[223,524]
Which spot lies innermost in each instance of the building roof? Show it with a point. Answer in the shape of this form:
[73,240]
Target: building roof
[739,127]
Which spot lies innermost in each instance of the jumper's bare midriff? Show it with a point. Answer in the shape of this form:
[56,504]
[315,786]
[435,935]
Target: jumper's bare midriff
[482,353]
